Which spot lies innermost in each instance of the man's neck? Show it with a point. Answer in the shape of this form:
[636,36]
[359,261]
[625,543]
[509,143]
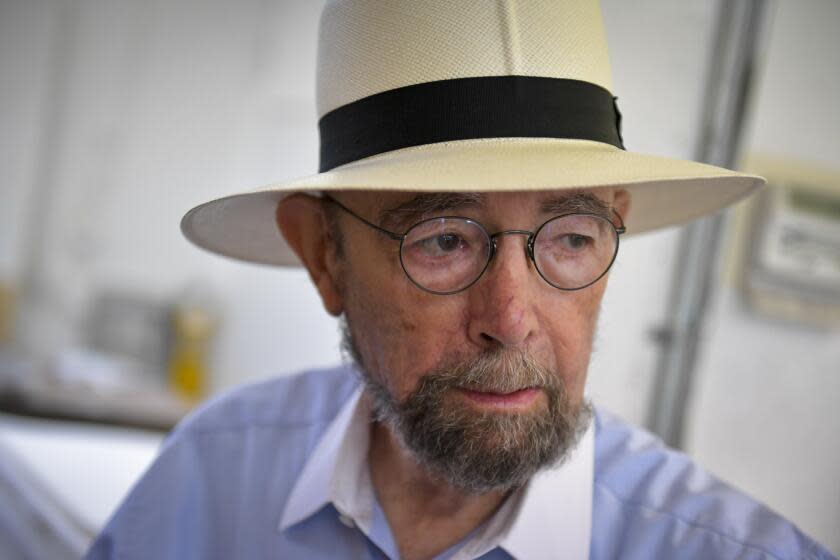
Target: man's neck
[426,515]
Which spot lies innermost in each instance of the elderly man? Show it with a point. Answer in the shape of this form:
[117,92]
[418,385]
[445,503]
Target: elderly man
[472,194]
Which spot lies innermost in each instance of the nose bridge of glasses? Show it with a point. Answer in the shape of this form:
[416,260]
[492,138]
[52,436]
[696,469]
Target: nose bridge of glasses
[529,242]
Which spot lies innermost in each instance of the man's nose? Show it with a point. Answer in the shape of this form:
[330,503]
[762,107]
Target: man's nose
[502,304]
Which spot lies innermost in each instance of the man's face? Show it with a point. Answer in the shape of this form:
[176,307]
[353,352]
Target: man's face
[511,322]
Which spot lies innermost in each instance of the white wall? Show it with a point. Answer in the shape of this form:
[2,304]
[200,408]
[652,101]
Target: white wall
[27,33]
[165,105]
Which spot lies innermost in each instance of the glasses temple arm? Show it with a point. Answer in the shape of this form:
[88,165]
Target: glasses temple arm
[620,229]
[391,234]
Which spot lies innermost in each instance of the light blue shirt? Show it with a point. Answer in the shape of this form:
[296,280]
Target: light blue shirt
[222,482]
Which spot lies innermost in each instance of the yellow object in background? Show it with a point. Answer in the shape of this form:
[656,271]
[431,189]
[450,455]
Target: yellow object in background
[7,310]
[192,329]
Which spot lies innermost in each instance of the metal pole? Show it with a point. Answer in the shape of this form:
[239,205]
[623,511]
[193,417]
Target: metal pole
[740,28]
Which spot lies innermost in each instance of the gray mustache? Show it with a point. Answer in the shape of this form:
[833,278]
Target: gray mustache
[498,372]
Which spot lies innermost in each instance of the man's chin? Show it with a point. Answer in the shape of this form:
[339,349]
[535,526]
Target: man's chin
[481,449]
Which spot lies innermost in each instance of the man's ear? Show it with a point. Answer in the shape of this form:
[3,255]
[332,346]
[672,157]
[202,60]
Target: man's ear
[303,222]
[622,202]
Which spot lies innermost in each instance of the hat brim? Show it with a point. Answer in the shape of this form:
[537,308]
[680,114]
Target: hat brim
[664,191]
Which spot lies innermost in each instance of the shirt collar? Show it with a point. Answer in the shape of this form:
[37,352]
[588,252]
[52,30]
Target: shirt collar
[563,493]
[555,516]
[348,487]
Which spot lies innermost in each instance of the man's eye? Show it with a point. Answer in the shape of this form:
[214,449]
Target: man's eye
[440,245]
[574,241]
[448,242]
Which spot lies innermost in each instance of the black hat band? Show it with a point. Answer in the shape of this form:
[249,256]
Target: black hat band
[468,108]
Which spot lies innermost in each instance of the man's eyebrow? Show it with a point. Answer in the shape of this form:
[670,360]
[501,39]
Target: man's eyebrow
[426,204]
[577,202]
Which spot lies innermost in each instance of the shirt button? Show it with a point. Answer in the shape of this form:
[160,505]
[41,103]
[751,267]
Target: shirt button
[346,520]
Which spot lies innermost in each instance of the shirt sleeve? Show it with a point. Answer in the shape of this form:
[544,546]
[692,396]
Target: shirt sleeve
[164,509]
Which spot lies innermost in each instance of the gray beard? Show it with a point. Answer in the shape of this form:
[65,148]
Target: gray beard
[479,451]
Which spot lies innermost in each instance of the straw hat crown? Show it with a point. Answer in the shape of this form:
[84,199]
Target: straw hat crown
[371,46]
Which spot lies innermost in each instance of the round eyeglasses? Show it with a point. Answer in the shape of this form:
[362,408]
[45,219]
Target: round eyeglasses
[448,254]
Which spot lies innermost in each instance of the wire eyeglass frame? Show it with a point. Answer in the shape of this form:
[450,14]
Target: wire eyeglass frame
[492,238]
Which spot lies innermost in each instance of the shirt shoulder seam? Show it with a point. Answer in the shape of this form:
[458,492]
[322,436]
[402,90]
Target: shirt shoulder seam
[642,505]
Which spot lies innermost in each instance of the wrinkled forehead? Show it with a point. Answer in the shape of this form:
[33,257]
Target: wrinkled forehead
[399,209]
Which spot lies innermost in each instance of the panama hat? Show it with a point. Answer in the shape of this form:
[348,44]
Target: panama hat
[479,96]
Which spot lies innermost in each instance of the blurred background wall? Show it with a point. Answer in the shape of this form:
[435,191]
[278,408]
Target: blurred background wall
[765,412]
[116,117]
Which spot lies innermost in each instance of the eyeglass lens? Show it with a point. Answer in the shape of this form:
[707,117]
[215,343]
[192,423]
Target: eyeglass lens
[446,255]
